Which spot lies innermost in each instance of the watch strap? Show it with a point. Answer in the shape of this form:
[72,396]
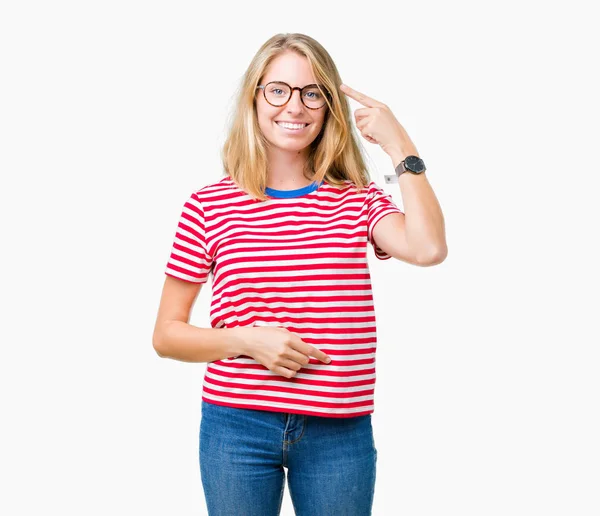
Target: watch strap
[400,169]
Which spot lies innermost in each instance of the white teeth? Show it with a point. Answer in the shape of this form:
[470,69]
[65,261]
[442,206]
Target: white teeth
[291,126]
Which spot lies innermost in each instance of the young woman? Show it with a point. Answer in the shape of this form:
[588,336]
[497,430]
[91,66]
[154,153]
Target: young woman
[291,349]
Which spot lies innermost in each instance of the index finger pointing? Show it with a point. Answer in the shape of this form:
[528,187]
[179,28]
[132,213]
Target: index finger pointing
[311,351]
[360,97]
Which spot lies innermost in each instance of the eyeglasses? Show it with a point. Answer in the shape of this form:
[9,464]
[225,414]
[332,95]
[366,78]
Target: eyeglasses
[278,93]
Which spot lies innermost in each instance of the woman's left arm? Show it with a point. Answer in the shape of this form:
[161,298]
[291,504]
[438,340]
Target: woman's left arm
[424,228]
[423,217]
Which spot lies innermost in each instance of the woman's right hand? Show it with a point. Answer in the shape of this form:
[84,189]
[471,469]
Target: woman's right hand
[280,350]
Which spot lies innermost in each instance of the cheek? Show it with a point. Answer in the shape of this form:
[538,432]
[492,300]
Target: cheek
[322,118]
[266,116]
[320,123]
[264,122]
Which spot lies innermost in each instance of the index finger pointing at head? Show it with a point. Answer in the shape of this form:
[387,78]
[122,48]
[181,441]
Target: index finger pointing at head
[360,97]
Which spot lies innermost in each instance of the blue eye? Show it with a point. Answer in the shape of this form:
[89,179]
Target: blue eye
[315,95]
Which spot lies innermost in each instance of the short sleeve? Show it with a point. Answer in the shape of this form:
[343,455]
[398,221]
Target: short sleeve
[189,259]
[379,204]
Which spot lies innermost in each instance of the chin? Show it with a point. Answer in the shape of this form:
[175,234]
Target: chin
[297,147]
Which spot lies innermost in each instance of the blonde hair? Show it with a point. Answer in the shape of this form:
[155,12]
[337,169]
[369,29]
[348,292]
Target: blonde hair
[335,155]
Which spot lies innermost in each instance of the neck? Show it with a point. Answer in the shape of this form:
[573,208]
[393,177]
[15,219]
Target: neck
[286,170]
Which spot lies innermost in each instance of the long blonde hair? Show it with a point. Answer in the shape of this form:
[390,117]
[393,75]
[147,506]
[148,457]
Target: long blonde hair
[335,155]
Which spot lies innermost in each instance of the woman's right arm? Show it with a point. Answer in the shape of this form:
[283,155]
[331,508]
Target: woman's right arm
[175,338]
[278,349]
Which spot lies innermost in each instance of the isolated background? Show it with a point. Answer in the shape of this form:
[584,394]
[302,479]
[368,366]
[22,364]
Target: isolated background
[113,112]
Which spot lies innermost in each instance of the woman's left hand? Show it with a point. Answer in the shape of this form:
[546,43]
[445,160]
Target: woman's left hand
[377,124]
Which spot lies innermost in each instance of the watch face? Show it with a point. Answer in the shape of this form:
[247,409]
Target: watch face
[415,164]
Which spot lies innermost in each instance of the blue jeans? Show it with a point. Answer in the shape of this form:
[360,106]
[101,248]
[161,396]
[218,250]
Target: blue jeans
[330,462]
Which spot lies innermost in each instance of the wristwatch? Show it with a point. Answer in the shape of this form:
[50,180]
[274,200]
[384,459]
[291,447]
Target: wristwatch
[412,164]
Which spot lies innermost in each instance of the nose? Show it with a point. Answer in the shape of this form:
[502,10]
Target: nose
[295,103]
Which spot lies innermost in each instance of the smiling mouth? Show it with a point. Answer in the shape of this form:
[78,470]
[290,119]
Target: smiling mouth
[292,130]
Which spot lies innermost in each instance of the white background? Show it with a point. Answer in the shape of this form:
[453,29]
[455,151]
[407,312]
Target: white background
[113,112]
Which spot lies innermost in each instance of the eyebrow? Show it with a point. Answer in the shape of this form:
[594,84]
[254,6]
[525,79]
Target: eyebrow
[309,84]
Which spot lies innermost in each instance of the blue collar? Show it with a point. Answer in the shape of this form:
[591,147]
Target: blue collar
[293,193]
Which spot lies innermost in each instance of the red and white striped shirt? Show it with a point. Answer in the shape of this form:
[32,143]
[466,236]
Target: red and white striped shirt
[298,261]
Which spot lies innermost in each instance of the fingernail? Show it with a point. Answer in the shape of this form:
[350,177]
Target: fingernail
[327,360]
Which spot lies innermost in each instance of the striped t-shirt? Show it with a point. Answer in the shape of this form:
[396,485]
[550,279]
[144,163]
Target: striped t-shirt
[297,260]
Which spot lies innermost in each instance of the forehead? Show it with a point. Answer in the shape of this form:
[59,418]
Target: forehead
[290,67]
